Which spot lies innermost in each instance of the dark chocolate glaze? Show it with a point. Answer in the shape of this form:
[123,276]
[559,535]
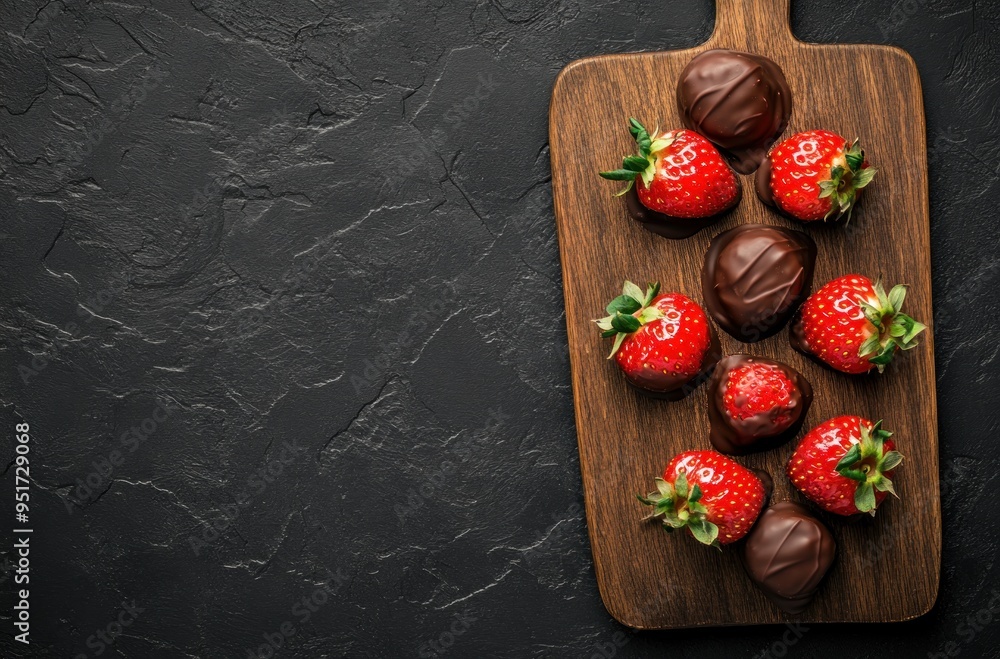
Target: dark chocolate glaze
[762,183]
[754,278]
[672,387]
[763,431]
[739,101]
[668,226]
[787,554]
[797,337]
[767,482]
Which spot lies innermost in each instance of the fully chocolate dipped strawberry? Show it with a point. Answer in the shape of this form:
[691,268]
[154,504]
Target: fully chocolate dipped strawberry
[739,101]
[787,555]
[754,278]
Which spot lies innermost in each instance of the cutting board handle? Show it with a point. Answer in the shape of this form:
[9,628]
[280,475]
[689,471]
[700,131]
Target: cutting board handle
[759,24]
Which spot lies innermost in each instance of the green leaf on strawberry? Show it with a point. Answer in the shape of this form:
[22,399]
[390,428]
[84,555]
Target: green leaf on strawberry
[868,463]
[643,164]
[894,329]
[628,312]
[677,507]
[844,182]
[715,498]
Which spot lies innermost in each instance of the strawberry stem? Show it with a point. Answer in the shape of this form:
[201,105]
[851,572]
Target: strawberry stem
[893,329]
[867,462]
[846,179]
[628,312]
[642,165]
[677,507]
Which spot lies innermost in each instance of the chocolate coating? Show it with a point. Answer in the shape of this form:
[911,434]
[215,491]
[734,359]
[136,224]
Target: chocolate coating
[762,431]
[797,339]
[739,101]
[766,481]
[787,554]
[754,278]
[762,183]
[673,387]
[667,226]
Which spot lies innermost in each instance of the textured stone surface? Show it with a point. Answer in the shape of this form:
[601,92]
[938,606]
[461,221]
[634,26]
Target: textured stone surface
[317,238]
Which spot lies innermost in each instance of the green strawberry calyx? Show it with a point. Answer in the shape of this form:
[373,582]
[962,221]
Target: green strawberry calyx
[893,328]
[642,165]
[679,506]
[628,312]
[868,462]
[846,178]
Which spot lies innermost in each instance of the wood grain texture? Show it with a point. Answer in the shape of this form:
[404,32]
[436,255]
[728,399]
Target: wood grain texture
[888,567]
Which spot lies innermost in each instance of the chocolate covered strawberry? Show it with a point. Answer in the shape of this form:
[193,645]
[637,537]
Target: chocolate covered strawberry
[815,175]
[853,325]
[716,499]
[678,173]
[663,342]
[845,465]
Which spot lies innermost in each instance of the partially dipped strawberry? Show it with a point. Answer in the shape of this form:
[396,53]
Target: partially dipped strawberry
[853,325]
[755,403]
[845,465]
[678,173]
[663,342]
[816,175]
[714,498]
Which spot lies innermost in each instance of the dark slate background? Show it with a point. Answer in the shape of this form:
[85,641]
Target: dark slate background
[306,249]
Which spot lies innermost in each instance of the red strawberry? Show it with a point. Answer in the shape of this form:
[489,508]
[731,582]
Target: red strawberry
[679,173]
[817,175]
[715,498]
[853,326]
[844,465]
[662,342]
[758,388]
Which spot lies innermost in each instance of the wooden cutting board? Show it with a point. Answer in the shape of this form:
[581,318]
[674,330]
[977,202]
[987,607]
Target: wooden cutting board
[887,567]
